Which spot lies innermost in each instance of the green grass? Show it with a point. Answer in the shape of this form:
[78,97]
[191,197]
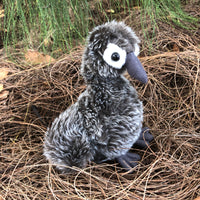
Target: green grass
[46,25]
[168,11]
[56,26]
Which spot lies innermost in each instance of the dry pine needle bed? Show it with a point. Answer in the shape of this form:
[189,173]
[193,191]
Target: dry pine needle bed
[169,169]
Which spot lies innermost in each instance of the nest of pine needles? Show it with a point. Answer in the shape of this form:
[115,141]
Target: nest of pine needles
[169,168]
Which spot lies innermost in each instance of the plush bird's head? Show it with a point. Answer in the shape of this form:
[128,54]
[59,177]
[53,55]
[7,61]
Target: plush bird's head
[111,49]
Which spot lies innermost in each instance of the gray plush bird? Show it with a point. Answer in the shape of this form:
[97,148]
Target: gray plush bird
[106,120]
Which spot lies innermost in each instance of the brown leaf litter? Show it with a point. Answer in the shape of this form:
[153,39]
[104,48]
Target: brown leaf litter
[34,58]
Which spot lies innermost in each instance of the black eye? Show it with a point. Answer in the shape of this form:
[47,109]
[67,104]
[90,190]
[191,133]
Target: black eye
[115,56]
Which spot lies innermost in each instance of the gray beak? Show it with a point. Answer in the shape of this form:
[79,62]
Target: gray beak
[135,68]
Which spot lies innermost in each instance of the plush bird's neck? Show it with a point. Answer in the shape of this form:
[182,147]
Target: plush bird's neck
[114,82]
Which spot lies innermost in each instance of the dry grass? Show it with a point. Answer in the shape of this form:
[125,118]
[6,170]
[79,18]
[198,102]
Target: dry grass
[169,169]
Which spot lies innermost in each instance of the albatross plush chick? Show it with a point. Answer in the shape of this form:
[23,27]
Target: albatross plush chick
[106,120]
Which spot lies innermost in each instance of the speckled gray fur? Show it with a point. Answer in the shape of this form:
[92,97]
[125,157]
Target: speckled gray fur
[107,118]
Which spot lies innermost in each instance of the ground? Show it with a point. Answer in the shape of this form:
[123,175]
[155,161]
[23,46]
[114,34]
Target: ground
[169,168]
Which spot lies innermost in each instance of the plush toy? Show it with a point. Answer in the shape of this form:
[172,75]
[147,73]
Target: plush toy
[106,120]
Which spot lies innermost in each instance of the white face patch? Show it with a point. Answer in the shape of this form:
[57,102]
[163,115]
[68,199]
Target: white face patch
[114,56]
[137,49]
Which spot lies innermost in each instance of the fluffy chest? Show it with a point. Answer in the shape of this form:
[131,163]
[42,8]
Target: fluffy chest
[108,109]
[113,99]
[107,99]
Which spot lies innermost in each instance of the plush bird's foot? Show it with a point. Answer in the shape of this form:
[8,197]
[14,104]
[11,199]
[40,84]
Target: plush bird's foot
[144,139]
[128,161]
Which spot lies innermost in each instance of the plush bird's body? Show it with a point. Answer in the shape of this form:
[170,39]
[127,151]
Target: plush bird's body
[107,118]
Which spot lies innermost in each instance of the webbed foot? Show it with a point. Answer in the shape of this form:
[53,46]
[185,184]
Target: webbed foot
[144,139]
[128,161]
